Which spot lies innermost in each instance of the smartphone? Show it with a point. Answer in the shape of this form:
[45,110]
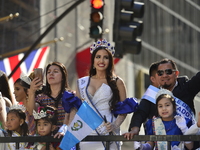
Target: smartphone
[38,72]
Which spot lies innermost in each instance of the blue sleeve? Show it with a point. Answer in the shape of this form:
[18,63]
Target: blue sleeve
[69,101]
[129,105]
[149,127]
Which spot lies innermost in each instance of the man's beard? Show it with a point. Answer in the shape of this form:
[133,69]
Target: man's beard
[166,86]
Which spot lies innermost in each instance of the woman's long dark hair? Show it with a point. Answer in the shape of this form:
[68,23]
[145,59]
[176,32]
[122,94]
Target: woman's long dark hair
[5,87]
[110,77]
[24,127]
[64,84]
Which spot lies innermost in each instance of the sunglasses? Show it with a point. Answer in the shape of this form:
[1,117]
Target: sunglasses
[167,71]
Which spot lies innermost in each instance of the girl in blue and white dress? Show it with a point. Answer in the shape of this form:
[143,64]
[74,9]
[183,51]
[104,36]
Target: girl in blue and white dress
[166,122]
[16,127]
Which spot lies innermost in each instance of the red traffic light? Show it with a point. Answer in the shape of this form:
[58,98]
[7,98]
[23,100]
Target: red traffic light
[97,4]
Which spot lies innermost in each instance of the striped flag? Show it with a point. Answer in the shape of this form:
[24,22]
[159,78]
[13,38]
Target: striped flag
[81,126]
[36,59]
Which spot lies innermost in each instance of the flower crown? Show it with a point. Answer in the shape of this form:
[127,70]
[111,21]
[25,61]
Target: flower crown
[1,73]
[163,91]
[25,78]
[42,113]
[18,107]
[102,43]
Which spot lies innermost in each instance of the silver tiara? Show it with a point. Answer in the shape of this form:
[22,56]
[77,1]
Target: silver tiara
[25,78]
[1,73]
[18,107]
[102,43]
[39,115]
[163,91]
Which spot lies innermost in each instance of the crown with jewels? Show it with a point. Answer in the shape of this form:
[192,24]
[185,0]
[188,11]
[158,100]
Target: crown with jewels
[42,113]
[1,73]
[164,91]
[102,43]
[18,107]
[25,78]
[39,115]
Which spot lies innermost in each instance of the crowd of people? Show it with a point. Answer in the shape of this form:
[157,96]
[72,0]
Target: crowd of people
[49,110]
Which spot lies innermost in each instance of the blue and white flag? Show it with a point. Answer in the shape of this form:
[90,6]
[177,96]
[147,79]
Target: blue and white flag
[150,94]
[85,121]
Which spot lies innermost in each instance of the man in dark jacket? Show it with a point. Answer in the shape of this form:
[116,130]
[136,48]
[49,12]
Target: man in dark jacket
[167,77]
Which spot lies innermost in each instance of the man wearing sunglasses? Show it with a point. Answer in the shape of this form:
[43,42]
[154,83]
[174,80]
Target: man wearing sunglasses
[181,88]
[167,77]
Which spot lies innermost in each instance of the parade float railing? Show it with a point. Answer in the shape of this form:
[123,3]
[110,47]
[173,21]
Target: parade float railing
[107,139]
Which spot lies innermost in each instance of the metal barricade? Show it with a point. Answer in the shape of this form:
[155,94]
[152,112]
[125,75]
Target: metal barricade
[105,138]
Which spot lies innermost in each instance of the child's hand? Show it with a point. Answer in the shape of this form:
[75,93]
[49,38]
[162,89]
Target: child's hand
[58,135]
[181,123]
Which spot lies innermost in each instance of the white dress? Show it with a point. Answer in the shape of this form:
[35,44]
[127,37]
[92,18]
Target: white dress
[101,100]
[11,146]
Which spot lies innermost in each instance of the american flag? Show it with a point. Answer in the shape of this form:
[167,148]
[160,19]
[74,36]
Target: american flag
[36,59]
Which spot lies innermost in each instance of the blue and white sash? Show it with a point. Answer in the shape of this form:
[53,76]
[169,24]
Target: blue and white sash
[159,129]
[83,84]
[182,108]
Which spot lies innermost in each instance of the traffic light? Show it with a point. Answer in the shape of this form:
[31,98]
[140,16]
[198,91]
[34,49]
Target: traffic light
[127,27]
[96,19]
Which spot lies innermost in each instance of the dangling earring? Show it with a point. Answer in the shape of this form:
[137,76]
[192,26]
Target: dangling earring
[94,67]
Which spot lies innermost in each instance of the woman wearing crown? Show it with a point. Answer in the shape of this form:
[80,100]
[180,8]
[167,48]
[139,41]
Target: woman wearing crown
[21,87]
[105,93]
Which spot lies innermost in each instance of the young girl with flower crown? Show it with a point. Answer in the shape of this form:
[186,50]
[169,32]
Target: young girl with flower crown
[16,127]
[46,119]
[166,122]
